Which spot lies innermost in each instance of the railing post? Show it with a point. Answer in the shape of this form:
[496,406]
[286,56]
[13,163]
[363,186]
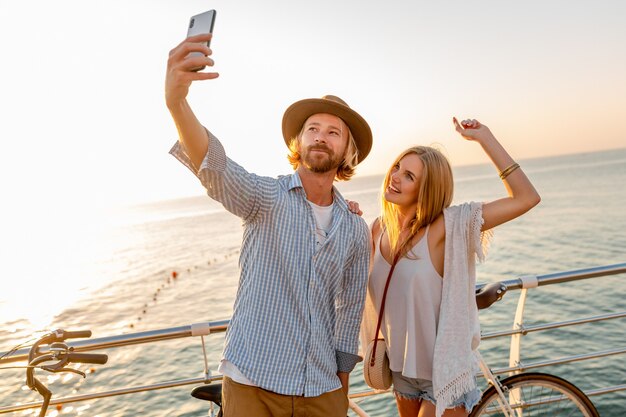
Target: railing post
[202,329]
[529,281]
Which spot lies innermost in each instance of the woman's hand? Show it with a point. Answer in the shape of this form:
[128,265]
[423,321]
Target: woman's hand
[522,196]
[353,206]
[472,129]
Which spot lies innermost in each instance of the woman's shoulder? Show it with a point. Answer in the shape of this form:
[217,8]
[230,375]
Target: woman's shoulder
[375,226]
[453,215]
[437,230]
[459,209]
[375,229]
[456,207]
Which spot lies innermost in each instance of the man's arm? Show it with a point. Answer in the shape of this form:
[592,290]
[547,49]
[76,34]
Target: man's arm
[179,76]
[344,377]
[350,307]
[242,193]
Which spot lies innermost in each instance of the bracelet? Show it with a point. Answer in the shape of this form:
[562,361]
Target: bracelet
[507,171]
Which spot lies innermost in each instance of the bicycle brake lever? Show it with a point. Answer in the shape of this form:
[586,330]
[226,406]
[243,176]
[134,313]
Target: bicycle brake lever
[75,371]
[55,369]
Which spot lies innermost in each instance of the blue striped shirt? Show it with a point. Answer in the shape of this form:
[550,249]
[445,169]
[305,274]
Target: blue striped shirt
[298,310]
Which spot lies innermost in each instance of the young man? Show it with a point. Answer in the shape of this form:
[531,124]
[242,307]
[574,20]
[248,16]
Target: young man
[293,336]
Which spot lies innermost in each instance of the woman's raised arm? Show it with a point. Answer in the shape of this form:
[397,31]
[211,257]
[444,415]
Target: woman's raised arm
[522,195]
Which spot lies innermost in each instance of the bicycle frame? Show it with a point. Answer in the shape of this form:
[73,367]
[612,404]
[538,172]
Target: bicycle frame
[490,377]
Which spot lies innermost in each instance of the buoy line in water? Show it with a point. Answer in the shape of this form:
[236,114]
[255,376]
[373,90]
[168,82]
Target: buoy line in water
[173,276]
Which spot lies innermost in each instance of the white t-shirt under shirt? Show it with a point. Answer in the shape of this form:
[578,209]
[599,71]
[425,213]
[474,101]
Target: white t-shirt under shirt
[323,221]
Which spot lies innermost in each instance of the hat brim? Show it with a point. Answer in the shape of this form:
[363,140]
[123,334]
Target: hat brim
[300,111]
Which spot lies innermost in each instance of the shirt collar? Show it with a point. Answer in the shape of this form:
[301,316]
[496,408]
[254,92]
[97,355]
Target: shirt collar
[296,182]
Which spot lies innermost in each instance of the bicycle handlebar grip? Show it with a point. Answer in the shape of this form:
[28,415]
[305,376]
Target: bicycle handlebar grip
[489,294]
[96,358]
[77,334]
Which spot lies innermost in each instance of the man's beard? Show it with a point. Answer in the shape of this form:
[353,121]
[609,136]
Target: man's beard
[320,165]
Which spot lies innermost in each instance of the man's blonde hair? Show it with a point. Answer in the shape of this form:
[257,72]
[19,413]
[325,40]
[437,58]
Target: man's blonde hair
[348,165]
[436,189]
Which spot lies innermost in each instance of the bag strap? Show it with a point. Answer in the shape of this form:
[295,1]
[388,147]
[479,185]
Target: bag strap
[382,308]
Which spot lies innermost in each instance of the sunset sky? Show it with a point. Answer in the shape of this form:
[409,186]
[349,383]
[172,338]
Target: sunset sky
[84,124]
[84,121]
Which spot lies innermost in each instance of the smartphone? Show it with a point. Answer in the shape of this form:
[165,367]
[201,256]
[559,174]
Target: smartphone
[198,24]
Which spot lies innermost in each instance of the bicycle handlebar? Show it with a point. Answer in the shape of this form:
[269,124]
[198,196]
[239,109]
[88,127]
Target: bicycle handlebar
[76,334]
[95,358]
[63,354]
[489,294]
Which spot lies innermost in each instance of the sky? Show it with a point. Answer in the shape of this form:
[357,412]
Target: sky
[84,121]
[84,126]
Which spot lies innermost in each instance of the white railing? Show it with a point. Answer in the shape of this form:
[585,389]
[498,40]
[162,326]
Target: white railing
[516,365]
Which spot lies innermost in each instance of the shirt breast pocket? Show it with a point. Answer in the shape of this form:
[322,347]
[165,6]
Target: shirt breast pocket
[330,265]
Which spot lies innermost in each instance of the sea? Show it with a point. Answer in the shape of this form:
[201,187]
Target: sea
[174,263]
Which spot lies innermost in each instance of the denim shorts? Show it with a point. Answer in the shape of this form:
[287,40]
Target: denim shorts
[422,389]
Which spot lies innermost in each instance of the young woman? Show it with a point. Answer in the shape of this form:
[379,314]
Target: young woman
[430,322]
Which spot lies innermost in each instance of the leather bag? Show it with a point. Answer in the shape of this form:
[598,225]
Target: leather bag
[376,367]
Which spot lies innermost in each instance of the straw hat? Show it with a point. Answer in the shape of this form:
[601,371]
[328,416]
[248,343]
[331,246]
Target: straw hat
[298,112]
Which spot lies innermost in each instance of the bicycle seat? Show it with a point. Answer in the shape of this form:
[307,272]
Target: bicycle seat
[489,294]
[210,392]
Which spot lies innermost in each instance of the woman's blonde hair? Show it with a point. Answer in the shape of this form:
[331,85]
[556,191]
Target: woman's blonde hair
[435,191]
[348,165]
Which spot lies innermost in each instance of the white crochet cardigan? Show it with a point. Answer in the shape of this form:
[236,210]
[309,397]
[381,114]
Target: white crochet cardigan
[458,330]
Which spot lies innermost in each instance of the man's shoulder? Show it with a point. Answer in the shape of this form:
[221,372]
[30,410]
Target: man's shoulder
[288,181]
[358,234]
[281,181]
[357,225]
[360,222]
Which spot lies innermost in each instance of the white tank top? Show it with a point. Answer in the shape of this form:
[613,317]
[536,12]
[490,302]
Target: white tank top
[411,310]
